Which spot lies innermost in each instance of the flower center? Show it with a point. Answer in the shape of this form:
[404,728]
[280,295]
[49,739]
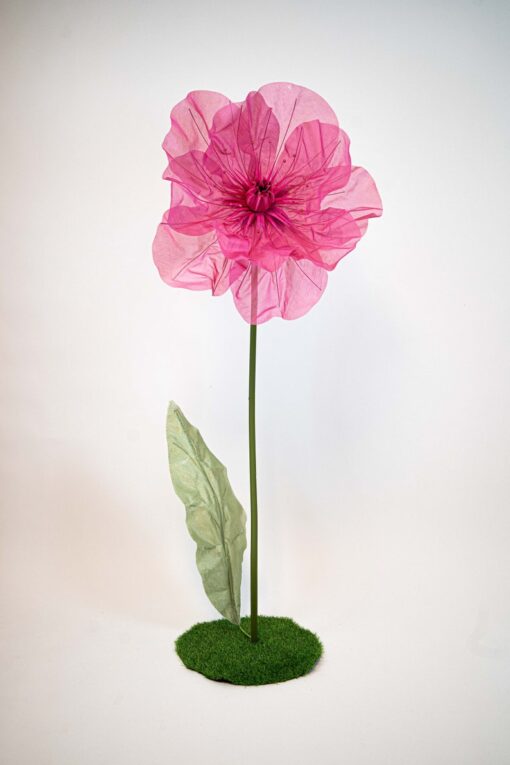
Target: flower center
[259,197]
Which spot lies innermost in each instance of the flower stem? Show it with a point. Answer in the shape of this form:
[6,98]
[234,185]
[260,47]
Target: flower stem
[253,489]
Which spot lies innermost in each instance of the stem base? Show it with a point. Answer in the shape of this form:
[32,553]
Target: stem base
[220,651]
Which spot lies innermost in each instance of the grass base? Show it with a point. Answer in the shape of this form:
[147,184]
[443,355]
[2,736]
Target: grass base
[220,651]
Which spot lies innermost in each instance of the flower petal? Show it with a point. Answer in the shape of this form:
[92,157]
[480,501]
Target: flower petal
[315,160]
[359,196]
[293,105]
[325,236]
[191,120]
[193,221]
[331,236]
[192,262]
[259,245]
[289,292]
[246,137]
[198,175]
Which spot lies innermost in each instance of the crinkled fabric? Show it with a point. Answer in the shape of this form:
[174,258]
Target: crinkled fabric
[264,199]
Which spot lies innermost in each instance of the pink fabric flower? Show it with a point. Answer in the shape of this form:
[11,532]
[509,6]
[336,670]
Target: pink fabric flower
[264,199]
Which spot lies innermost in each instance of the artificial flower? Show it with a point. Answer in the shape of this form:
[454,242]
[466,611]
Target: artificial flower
[264,199]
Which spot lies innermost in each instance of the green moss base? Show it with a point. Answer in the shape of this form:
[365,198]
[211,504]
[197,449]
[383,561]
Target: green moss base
[220,651]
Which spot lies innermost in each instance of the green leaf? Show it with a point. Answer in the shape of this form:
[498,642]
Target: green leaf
[214,517]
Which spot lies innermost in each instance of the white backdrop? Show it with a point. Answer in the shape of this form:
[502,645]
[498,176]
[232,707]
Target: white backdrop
[383,415]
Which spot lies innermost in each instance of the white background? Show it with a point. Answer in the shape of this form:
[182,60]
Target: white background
[383,415]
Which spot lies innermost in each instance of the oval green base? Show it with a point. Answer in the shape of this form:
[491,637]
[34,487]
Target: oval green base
[220,651]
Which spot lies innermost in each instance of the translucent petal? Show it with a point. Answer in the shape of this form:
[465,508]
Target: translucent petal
[315,159]
[246,137]
[293,105]
[192,262]
[289,292]
[193,221]
[191,120]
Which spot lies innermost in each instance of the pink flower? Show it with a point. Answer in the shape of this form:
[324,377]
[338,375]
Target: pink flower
[264,199]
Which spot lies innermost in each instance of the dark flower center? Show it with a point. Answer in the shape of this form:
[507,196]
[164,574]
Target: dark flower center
[259,197]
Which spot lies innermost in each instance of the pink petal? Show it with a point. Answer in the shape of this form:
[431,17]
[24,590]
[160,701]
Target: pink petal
[315,159]
[196,174]
[293,105]
[259,133]
[316,228]
[224,146]
[289,292]
[193,262]
[359,196]
[333,234]
[339,227]
[245,137]
[193,221]
[233,246]
[265,248]
[191,120]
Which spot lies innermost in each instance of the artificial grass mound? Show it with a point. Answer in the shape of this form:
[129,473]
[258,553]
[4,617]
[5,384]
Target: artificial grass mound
[220,651]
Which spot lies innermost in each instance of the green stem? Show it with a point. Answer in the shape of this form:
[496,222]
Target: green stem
[253,488]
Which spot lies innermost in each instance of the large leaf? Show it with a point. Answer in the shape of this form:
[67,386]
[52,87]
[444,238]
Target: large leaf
[214,517]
